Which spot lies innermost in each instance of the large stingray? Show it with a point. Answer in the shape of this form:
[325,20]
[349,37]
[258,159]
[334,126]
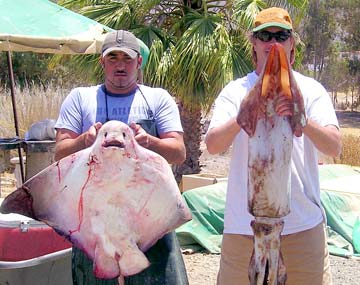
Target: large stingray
[113,200]
[271,114]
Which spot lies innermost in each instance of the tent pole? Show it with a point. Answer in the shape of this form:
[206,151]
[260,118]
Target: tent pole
[12,88]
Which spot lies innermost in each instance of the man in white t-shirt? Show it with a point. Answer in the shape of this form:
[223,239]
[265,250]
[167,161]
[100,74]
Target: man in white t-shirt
[153,115]
[303,242]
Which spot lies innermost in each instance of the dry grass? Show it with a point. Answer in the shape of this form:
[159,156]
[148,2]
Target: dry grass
[33,104]
[351,148]
[350,130]
[350,153]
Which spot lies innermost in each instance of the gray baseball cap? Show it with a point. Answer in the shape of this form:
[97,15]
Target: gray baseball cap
[121,41]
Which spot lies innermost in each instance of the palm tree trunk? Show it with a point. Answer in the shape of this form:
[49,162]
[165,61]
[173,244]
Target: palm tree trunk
[191,122]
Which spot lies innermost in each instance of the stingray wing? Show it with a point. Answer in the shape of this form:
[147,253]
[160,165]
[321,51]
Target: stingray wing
[112,200]
[52,194]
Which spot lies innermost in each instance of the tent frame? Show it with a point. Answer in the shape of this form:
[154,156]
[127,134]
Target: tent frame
[17,133]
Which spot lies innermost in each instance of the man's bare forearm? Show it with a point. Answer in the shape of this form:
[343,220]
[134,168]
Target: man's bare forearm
[172,149]
[68,146]
[326,139]
[220,138]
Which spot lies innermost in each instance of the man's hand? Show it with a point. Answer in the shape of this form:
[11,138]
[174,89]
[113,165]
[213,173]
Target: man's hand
[90,135]
[141,136]
[68,142]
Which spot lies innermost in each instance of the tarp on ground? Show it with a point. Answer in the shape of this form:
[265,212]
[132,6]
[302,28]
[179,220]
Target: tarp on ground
[340,197]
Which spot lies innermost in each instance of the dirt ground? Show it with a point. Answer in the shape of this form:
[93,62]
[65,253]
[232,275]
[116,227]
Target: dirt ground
[202,267]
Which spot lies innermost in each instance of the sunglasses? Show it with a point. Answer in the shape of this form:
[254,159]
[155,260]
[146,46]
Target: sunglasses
[266,36]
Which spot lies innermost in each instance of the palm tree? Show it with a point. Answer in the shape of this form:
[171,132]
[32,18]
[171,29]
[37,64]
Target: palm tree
[196,47]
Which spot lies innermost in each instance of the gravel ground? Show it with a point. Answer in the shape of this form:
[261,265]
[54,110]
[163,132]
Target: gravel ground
[202,269]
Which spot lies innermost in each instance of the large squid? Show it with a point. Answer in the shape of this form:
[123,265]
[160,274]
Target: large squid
[271,114]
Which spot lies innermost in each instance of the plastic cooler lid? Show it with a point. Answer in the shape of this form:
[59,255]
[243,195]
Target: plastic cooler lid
[13,220]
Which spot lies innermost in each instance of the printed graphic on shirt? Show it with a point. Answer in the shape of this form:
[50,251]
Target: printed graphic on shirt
[122,111]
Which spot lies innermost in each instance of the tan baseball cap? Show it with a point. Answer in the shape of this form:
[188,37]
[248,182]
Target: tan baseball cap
[121,41]
[272,17]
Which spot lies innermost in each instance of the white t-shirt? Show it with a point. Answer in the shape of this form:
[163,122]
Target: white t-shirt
[85,106]
[305,208]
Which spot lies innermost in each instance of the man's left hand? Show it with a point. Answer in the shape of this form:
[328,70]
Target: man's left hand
[141,136]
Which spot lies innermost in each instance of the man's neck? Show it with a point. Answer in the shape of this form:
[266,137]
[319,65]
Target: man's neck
[120,90]
[118,94]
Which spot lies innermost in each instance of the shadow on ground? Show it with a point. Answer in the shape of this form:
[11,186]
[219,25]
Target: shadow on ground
[348,119]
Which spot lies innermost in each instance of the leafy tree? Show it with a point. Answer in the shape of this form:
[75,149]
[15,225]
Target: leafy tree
[35,69]
[354,70]
[351,37]
[25,71]
[350,23]
[196,47]
[319,31]
[335,75]
[332,37]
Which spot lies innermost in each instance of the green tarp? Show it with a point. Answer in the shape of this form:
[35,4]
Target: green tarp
[340,197]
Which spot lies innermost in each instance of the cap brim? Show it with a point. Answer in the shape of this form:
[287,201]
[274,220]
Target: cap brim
[272,24]
[132,53]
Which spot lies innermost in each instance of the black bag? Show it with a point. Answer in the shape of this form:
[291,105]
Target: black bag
[149,124]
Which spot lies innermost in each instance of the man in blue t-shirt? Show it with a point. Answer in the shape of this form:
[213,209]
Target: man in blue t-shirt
[153,115]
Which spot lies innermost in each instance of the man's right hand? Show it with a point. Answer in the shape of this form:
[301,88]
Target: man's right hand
[90,135]
[68,142]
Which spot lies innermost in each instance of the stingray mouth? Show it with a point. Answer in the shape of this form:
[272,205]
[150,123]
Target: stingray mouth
[113,143]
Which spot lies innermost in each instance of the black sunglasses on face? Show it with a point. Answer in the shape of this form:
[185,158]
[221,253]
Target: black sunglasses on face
[266,36]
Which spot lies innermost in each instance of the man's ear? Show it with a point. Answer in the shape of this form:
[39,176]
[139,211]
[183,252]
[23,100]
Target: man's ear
[253,56]
[292,56]
[139,62]
[101,61]
[292,52]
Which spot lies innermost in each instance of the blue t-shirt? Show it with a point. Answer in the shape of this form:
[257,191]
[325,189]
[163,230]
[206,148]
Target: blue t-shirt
[85,106]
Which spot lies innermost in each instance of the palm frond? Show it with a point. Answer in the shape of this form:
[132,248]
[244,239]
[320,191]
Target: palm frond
[245,11]
[159,64]
[296,8]
[202,61]
[115,15]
